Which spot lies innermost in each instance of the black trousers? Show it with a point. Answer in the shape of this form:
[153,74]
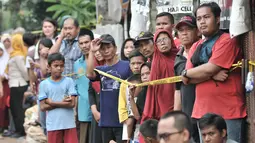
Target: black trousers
[114,133]
[96,133]
[17,110]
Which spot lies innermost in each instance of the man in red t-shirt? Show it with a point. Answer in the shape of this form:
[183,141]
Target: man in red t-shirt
[216,53]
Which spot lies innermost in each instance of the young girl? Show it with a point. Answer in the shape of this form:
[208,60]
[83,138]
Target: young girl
[49,28]
[127,47]
[40,67]
[39,71]
[6,40]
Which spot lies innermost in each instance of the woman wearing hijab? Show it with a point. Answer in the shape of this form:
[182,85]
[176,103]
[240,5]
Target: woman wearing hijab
[18,82]
[160,98]
[6,40]
[4,88]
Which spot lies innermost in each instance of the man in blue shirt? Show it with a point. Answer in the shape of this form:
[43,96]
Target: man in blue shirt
[67,45]
[109,120]
[82,85]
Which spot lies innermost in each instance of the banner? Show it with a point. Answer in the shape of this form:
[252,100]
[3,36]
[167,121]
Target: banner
[138,20]
[240,18]
[175,6]
[141,7]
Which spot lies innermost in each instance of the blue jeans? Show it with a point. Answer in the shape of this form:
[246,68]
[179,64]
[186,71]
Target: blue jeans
[235,129]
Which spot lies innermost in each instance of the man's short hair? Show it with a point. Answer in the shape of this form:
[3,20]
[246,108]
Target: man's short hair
[29,39]
[213,6]
[181,120]
[169,15]
[55,57]
[211,119]
[136,53]
[75,21]
[62,20]
[149,128]
[86,32]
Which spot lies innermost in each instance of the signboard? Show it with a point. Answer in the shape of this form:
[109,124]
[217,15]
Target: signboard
[175,6]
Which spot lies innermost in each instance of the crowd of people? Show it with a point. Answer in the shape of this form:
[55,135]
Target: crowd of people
[51,89]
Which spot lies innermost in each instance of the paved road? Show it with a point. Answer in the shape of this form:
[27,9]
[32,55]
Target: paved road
[11,140]
[8,140]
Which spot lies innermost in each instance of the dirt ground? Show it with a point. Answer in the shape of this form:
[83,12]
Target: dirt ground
[11,140]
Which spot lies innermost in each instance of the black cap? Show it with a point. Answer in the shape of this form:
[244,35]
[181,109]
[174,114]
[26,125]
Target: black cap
[107,38]
[187,20]
[143,36]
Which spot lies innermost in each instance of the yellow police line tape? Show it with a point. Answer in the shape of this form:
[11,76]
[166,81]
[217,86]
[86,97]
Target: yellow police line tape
[173,79]
[161,81]
[113,77]
[154,82]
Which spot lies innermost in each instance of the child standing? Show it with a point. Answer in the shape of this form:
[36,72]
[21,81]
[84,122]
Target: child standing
[57,96]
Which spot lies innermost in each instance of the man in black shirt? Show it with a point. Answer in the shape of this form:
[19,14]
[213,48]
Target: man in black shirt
[188,34]
[185,94]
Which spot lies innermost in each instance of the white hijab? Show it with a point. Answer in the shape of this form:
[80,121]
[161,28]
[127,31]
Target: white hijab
[3,60]
[5,36]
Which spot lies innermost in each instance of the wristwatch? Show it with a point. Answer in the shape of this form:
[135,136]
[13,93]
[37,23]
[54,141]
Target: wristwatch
[184,73]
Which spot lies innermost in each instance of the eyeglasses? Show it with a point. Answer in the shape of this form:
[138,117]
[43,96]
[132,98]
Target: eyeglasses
[159,41]
[165,136]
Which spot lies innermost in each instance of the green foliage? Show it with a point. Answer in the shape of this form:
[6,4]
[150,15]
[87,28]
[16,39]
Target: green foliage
[83,10]
[30,13]
[26,13]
